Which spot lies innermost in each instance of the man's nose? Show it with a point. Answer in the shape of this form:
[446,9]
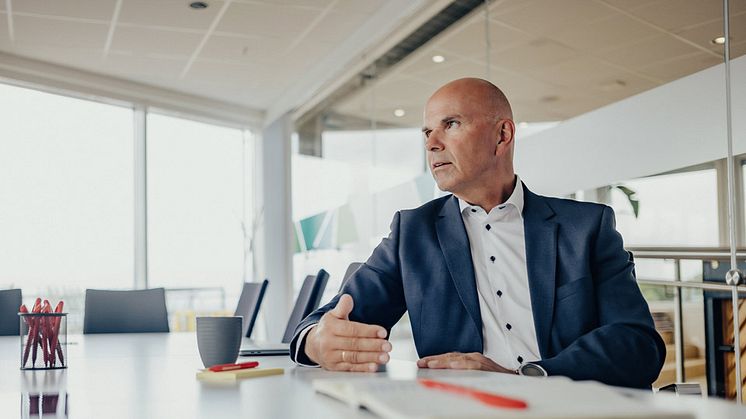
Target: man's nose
[432,142]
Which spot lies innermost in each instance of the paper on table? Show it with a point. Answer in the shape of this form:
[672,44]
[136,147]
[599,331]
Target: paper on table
[551,398]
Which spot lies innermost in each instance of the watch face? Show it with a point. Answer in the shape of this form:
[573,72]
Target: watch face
[532,370]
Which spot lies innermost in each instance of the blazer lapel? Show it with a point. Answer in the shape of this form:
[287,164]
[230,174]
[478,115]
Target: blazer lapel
[455,245]
[540,233]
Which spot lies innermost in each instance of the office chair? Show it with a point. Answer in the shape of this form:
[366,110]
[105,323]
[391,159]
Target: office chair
[10,303]
[249,302]
[308,300]
[354,266]
[131,311]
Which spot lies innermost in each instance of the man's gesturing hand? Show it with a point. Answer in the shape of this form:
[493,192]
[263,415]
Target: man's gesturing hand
[461,361]
[338,344]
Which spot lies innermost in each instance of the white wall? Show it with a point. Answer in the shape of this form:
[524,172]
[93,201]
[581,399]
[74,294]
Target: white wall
[679,124]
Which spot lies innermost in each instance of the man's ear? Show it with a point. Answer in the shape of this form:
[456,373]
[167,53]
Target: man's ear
[507,132]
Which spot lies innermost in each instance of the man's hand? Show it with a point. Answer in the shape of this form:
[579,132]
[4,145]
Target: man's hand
[338,344]
[462,361]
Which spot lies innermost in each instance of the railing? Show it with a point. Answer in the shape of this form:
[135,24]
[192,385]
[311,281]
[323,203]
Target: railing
[677,254]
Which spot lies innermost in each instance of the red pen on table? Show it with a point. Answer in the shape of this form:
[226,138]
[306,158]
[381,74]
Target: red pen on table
[491,399]
[229,367]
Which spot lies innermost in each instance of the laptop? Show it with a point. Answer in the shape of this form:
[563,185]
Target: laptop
[251,348]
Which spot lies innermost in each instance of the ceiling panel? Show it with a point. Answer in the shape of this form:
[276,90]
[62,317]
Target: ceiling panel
[305,4]
[170,13]
[32,31]
[437,75]
[336,27]
[681,66]
[85,9]
[142,68]
[304,56]
[629,5]
[581,72]
[470,39]
[243,49]
[155,41]
[266,19]
[5,43]
[688,12]
[607,33]
[553,15]
[421,61]
[535,53]
[358,6]
[703,34]
[647,51]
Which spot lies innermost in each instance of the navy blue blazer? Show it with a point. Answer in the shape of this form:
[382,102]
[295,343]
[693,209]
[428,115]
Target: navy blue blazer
[591,320]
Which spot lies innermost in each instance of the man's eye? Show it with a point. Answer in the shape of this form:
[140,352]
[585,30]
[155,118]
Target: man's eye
[451,124]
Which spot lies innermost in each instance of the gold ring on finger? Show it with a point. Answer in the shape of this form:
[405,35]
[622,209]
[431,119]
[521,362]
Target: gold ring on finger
[343,356]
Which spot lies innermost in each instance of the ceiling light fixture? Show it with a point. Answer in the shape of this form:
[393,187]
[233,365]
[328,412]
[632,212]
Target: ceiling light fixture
[399,113]
[198,5]
[720,40]
[438,59]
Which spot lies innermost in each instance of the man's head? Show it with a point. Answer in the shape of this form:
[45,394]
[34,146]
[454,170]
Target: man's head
[469,133]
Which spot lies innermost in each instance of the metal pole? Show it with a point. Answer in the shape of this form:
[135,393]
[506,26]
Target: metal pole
[678,325]
[734,276]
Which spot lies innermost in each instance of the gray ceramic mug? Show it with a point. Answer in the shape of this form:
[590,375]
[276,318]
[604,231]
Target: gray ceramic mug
[218,339]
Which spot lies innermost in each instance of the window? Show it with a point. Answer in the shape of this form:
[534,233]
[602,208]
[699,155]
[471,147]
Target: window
[67,194]
[199,200]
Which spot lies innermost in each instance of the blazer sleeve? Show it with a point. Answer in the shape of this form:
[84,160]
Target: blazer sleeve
[376,290]
[625,349]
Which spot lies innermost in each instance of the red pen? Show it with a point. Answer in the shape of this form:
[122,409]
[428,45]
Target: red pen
[229,367]
[494,400]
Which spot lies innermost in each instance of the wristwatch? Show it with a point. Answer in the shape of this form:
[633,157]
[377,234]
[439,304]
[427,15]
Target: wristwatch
[531,370]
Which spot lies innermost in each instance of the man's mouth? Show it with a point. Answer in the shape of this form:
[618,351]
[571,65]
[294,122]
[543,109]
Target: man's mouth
[440,164]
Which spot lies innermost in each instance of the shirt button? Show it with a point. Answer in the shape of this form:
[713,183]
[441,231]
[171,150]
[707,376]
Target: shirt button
[508,326]
[520,359]
[501,207]
[473,210]
[488,227]
[499,293]
[492,258]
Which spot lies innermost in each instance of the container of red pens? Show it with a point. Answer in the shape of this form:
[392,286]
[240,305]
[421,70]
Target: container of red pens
[43,336]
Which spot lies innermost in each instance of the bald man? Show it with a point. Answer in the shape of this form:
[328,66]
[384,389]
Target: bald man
[493,276]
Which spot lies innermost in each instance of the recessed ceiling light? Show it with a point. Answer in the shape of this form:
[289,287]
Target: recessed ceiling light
[198,5]
[399,113]
[720,40]
[438,59]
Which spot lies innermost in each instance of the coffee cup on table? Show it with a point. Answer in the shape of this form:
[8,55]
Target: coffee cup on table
[218,339]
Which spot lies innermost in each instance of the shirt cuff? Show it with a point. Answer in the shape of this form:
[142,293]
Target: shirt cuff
[300,348]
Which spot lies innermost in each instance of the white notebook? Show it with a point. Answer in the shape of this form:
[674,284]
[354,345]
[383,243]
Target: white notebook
[551,398]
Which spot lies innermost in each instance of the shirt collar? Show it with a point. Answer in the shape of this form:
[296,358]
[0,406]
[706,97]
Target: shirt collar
[515,199]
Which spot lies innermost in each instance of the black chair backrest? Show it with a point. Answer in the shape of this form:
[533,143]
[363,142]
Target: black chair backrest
[308,300]
[10,303]
[249,302]
[354,266]
[130,311]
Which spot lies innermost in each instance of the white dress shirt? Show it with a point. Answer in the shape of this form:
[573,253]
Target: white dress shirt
[498,253]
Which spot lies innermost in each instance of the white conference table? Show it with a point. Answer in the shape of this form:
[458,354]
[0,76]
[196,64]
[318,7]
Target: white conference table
[153,376]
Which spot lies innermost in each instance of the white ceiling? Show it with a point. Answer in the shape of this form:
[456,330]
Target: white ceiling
[556,59]
[245,52]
